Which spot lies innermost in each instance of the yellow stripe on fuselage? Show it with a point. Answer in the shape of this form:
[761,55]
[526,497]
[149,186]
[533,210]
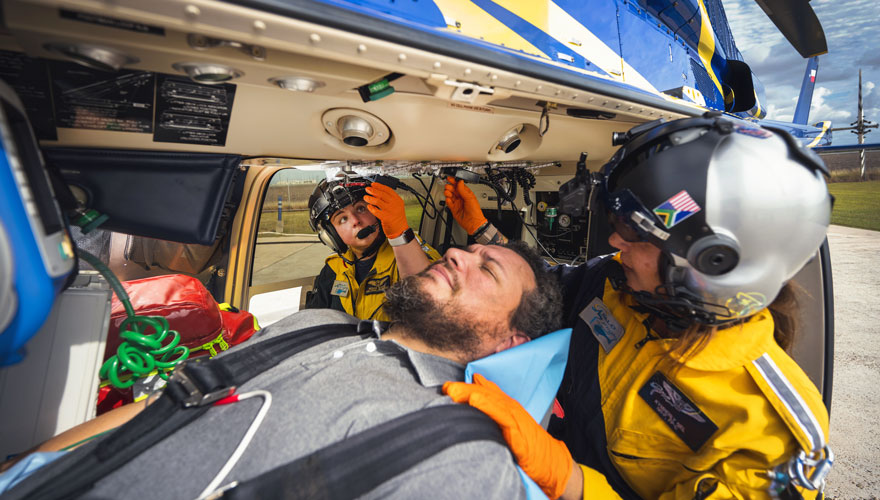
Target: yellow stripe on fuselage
[825,125]
[562,27]
[707,45]
[477,23]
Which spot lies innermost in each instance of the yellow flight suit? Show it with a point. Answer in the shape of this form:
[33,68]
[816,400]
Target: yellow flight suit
[363,300]
[726,385]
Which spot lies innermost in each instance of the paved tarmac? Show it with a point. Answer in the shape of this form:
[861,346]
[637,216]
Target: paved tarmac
[288,257]
[855,404]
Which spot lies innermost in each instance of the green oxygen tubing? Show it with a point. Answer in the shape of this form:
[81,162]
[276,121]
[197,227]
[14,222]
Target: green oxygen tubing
[140,352]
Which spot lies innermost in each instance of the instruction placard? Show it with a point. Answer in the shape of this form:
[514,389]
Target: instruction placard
[192,113]
[111,22]
[87,98]
[29,77]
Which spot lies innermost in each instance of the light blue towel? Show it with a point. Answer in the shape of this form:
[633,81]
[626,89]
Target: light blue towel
[25,467]
[529,373]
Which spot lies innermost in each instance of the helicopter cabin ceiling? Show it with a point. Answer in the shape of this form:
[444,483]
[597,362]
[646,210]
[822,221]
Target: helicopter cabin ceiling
[442,108]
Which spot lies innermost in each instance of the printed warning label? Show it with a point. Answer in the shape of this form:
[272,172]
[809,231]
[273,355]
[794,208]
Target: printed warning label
[29,77]
[192,113]
[87,98]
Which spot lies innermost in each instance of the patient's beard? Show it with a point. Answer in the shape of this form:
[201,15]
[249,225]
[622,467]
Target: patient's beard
[439,325]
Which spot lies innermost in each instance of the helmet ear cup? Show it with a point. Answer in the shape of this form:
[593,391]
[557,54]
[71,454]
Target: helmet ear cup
[330,237]
[714,255]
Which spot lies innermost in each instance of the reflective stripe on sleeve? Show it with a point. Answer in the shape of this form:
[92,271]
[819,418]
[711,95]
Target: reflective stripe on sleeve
[792,401]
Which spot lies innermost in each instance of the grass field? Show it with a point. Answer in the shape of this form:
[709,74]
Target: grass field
[857,204]
[298,222]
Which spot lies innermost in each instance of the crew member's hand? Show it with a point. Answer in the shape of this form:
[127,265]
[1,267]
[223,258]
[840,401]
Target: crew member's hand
[464,205]
[546,460]
[388,207]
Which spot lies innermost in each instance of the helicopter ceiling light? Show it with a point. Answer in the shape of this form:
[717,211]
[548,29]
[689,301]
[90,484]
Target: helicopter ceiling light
[297,83]
[204,72]
[92,56]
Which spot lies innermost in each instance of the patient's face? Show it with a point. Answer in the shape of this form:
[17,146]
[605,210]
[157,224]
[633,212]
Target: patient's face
[464,301]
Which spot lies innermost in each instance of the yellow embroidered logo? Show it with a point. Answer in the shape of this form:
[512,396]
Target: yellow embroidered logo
[746,303]
[377,285]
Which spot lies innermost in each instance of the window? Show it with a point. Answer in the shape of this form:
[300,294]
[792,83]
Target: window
[288,255]
[287,248]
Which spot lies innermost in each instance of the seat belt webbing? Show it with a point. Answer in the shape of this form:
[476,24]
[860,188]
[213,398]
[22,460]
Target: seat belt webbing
[352,467]
[75,473]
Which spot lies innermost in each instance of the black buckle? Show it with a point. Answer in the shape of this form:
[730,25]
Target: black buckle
[193,395]
[372,326]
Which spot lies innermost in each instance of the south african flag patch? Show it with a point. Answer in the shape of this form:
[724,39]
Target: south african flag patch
[676,209]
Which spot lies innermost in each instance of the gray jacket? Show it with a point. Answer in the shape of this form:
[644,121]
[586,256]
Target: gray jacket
[321,396]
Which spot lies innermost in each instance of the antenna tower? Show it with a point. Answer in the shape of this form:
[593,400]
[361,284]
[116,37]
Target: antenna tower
[860,127]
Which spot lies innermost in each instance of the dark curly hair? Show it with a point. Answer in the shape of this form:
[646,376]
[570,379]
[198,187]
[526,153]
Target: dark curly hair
[540,310]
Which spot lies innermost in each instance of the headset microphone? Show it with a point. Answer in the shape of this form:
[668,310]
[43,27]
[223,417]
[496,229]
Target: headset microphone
[363,233]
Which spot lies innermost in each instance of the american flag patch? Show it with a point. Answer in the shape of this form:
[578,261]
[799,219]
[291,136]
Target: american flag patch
[753,132]
[676,209]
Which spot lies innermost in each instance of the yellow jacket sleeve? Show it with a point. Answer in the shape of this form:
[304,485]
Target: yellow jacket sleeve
[596,486]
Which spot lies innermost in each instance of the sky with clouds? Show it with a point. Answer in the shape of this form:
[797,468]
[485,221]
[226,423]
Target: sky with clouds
[852,30]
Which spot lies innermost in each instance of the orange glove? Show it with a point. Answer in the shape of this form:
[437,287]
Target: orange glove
[546,460]
[464,205]
[388,207]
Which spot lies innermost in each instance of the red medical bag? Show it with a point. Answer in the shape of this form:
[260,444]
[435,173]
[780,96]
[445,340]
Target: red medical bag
[190,309]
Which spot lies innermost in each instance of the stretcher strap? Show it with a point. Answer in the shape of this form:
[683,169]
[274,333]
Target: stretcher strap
[352,467]
[74,474]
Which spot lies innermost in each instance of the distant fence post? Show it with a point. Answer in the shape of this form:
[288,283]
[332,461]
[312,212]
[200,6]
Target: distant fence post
[279,226]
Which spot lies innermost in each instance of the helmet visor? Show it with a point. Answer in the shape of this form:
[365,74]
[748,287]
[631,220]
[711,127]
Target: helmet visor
[629,218]
[619,225]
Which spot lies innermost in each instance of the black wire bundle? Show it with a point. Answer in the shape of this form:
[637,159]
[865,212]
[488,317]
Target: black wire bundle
[526,180]
[512,177]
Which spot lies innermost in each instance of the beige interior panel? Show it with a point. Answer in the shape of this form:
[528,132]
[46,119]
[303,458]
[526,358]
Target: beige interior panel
[426,122]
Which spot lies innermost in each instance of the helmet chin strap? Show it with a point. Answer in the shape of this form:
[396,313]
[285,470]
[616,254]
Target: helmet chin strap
[653,305]
[370,250]
[672,302]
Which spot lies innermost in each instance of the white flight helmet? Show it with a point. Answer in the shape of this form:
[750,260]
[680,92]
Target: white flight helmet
[737,210]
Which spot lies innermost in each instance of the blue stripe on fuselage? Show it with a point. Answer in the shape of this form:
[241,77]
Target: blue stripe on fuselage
[535,35]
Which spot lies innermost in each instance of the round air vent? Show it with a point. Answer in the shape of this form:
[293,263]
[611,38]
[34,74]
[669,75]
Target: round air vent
[509,141]
[355,128]
[515,143]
